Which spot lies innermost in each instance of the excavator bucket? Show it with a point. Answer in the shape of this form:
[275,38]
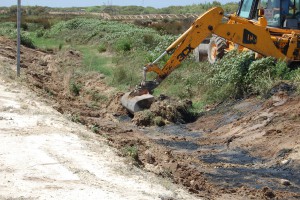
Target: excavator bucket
[136,103]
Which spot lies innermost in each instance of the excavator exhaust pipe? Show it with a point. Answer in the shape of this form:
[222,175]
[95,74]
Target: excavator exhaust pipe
[136,103]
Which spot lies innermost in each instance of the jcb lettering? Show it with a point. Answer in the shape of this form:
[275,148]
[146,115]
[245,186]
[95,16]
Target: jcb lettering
[184,53]
[249,38]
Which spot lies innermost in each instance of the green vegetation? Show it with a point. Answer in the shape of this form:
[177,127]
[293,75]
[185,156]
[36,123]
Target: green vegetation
[101,48]
[99,97]
[93,62]
[132,152]
[75,88]
[95,129]
[159,121]
[75,117]
[118,36]
[239,75]
[132,10]
[295,77]
[236,76]
[120,50]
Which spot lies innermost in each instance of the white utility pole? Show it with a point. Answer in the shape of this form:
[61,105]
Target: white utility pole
[18,37]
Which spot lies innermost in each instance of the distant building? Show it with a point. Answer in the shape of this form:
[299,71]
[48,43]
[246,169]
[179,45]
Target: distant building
[3,11]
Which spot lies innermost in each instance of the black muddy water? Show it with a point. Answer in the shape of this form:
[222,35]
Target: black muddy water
[236,167]
[231,168]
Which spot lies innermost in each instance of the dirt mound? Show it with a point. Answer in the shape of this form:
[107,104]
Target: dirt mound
[114,105]
[164,111]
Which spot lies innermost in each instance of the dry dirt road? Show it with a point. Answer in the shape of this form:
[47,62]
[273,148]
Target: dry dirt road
[45,156]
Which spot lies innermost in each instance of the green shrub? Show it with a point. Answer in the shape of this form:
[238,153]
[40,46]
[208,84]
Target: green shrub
[123,44]
[120,75]
[24,26]
[148,39]
[158,121]
[260,75]
[95,31]
[239,74]
[101,48]
[75,118]
[39,33]
[295,77]
[60,46]
[228,77]
[128,69]
[131,151]
[95,128]
[75,88]
[27,41]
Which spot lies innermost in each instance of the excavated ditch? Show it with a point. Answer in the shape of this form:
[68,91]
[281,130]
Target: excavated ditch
[243,150]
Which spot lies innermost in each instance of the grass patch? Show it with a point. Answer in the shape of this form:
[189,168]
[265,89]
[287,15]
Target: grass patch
[295,77]
[97,97]
[46,43]
[128,69]
[93,61]
[101,48]
[95,129]
[27,41]
[75,88]
[197,107]
[132,151]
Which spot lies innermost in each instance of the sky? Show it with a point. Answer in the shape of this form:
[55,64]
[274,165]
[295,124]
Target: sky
[85,3]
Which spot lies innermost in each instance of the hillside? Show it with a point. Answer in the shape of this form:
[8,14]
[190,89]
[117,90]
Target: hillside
[44,155]
[246,149]
[128,10]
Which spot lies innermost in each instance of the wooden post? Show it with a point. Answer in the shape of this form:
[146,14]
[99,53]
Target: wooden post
[18,37]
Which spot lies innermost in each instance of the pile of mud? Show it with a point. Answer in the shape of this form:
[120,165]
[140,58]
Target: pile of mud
[163,111]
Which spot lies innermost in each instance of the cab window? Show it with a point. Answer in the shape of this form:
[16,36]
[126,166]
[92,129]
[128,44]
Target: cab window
[272,11]
[245,9]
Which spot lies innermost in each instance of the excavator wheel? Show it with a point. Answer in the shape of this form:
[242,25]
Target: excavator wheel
[216,48]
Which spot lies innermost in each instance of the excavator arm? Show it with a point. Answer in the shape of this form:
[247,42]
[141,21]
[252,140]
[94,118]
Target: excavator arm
[250,34]
[185,44]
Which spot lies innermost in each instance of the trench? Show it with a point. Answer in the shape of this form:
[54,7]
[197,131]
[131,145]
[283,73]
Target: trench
[228,168]
[235,167]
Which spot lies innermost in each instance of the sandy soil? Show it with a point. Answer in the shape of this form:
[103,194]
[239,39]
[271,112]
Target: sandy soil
[45,156]
[247,149]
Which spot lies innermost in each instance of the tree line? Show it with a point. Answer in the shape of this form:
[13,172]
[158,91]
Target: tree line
[128,10]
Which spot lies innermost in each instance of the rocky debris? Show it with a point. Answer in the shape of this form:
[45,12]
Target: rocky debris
[149,157]
[164,111]
[285,182]
[143,118]
[268,193]
[282,87]
[285,162]
[114,105]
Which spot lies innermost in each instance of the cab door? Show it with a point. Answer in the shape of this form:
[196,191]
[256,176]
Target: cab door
[248,9]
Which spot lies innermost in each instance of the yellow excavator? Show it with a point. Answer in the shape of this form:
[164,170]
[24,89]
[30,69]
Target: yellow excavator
[267,27]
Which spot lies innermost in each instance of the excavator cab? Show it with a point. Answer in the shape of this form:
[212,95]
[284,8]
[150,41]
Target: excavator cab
[278,13]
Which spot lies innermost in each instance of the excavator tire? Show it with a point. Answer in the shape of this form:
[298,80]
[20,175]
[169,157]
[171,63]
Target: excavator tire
[216,48]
